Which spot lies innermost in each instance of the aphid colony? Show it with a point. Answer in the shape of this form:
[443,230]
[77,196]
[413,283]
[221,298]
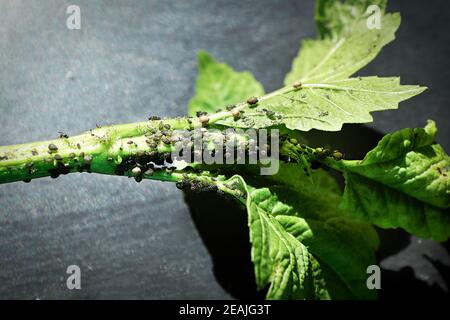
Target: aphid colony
[197,185]
[166,145]
[83,161]
[228,145]
[293,151]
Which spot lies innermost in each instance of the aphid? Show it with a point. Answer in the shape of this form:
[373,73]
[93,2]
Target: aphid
[323,114]
[236,114]
[54,174]
[62,135]
[136,170]
[161,126]
[154,118]
[252,100]
[58,157]
[130,142]
[231,107]
[34,152]
[167,126]
[153,155]
[78,146]
[322,153]
[81,154]
[337,155]
[26,180]
[98,126]
[297,84]
[52,147]
[149,172]
[72,155]
[165,140]
[200,113]
[204,119]
[180,185]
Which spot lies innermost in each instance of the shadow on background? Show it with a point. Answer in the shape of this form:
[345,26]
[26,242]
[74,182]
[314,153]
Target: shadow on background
[222,225]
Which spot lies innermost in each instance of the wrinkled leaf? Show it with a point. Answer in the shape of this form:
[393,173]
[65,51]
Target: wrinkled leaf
[403,182]
[343,247]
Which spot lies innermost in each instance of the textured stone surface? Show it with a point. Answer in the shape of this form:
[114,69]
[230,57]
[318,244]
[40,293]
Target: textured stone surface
[132,59]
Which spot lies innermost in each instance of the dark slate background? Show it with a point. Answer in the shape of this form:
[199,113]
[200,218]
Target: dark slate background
[132,59]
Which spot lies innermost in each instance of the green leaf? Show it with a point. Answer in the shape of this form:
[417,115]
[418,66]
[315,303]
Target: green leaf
[218,86]
[323,60]
[344,246]
[326,106]
[308,212]
[279,258]
[385,207]
[334,18]
[403,182]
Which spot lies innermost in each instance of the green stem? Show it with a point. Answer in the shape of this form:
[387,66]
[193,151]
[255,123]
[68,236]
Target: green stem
[100,150]
[105,150]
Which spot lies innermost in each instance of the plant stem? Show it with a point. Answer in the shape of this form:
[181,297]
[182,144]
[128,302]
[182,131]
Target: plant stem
[118,149]
[100,150]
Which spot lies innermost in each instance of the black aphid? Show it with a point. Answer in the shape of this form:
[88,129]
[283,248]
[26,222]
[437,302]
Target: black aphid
[297,85]
[252,100]
[337,155]
[236,114]
[165,140]
[52,147]
[204,119]
[200,113]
